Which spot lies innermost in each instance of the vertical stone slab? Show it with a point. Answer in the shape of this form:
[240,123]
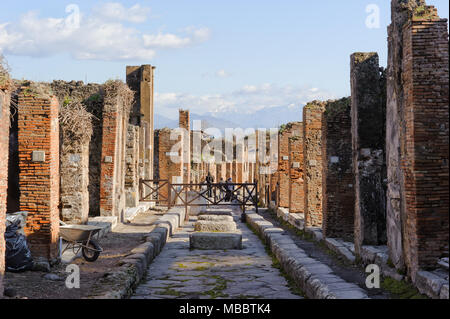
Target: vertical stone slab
[296,171]
[338,179]
[426,155]
[312,152]
[368,142]
[132,167]
[39,183]
[184,123]
[4,145]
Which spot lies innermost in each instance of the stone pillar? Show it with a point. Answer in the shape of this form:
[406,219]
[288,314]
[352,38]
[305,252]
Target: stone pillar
[425,157]
[338,199]
[132,167]
[38,139]
[140,79]
[288,146]
[368,136]
[74,178]
[296,176]
[184,123]
[312,152]
[4,145]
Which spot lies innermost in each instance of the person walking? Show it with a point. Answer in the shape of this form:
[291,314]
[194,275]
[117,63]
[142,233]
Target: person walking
[209,181]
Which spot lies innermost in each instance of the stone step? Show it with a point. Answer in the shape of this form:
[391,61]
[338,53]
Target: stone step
[212,226]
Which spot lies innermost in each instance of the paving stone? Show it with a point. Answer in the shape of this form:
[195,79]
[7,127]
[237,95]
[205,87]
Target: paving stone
[215,241]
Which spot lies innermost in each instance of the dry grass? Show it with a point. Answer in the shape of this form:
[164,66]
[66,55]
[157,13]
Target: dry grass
[5,80]
[116,91]
[76,122]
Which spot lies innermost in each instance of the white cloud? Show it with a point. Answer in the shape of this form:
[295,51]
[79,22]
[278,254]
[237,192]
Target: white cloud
[116,11]
[100,36]
[249,99]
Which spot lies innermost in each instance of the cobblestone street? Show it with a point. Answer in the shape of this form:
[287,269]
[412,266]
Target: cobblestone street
[179,272]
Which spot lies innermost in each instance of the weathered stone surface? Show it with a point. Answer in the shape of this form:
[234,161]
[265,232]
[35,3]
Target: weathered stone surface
[429,284]
[216,213]
[215,218]
[215,241]
[211,226]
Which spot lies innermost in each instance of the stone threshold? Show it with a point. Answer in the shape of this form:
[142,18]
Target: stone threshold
[122,282]
[434,284]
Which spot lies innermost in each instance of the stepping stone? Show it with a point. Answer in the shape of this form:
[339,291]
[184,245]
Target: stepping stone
[216,241]
[216,213]
[216,218]
[210,226]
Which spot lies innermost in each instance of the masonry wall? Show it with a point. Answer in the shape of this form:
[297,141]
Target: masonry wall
[39,176]
[4,144]
[426,154]
[368,144]
[312,152]
[91,97]
[338,199]
[74,168]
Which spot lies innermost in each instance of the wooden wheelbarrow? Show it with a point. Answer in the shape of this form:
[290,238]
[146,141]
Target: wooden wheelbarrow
[81,237]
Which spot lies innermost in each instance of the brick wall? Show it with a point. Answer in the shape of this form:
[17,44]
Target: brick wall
[4,144]
[338,199]
[368,143]
[312,152]
[132,166]
[169,169]
[426,154]
[39,180]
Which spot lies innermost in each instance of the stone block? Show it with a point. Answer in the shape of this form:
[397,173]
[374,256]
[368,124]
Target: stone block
[215,218]
[210,226]
[215,241]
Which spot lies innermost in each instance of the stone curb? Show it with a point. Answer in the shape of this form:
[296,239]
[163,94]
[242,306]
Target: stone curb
[313,277]
[426,282]
[134,266]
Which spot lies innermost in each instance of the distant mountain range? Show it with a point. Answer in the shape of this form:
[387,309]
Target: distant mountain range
[267,118]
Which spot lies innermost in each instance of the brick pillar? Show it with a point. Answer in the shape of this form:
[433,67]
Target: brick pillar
[38,140]
[184,123]
[368,117]
[4,145]
[338,180]
[168,168]
[312,152]
[426,154]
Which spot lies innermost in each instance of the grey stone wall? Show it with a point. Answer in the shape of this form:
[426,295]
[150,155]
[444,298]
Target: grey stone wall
[368,143]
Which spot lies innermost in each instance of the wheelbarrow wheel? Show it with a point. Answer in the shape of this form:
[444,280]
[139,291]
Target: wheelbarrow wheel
[93,253]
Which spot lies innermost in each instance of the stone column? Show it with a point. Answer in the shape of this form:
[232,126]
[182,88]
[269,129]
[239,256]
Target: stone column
[368,116]
[4,145]
[338,199]
[38,139]
[184,123]
[312,152]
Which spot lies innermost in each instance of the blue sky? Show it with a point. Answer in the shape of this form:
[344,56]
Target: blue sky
[211,56]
